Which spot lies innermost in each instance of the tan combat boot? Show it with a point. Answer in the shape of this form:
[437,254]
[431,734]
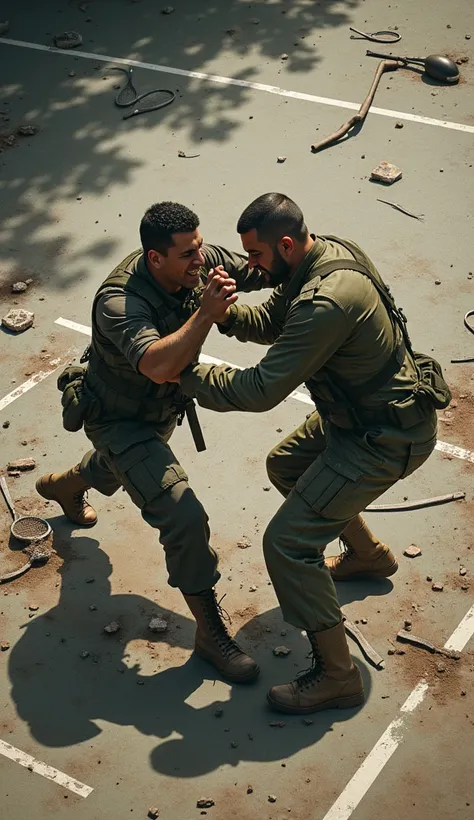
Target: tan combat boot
[213,642]
[333,682]
[68,489]
[363,556]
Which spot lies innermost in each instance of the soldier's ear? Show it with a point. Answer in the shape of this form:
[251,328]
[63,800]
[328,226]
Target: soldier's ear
[154,258]
[286,245]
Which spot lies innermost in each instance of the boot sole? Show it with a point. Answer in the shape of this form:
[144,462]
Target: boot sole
[348,702]
[248,678]
[50,497]
[366,576]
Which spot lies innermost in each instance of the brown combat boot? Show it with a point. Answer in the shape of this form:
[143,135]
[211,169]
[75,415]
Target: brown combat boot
[333,682]
[213,642]
[68,489]
[363,556]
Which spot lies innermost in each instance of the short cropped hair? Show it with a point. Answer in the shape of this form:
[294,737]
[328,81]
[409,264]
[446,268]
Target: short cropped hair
[273,215]
[161,221]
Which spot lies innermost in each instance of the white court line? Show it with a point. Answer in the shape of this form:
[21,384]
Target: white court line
[443,446]
[388,743]
[269,89]
[23,388]
[44,770]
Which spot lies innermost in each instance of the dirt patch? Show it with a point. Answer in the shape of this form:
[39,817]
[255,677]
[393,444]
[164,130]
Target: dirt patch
[416,664]
[457,421]
[8,139]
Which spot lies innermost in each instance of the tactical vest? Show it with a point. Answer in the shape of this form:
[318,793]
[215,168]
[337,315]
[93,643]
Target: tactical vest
[122,392]
[340,402]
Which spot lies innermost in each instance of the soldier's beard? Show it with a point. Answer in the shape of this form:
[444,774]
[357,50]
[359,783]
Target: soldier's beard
[280,270]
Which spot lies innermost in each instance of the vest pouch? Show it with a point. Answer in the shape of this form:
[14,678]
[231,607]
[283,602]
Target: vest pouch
[432,383]
[77,400]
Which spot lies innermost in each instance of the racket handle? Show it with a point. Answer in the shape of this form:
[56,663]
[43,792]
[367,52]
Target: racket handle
[7,496]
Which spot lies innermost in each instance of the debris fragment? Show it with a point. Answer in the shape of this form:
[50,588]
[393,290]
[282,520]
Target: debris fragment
[28,130]
[250,788]
[399,125]
[266,489]
[67,39]
[386,172]
[187,156]
[465,587]
[73,74]
[441,667]
[33,608]
[281,159]
[284,56]
[22,464]
[412,551]
[205,803]
[167,10]
[462,570]
[4,645]
[368,650]
[429,578]
[92,608]
[158,625]
[19,287]
[112,628]
[244,543]
[408,624]
[407,637]
[153,813]
[307,722]
[218,713]
[6,425]
[272,798]
[84,654]
[281,651]
[437,281]
[4,26]
[403,210]
[277,724]
[234,745]
[18,320]
[253,588]
[437,587]
[364,621]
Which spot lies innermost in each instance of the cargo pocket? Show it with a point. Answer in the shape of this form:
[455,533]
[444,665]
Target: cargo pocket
[329,486]
[417,455]
[146,470]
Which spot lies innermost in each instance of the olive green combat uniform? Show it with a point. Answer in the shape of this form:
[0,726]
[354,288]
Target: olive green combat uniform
[129,418]
[329,327]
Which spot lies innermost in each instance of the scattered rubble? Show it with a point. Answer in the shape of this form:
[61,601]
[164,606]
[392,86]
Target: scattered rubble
[429,578]
[158,625]
[28,130]
[253,588]
[84,654]
[205,803]
[272,798]
[67,39]
[22,464]
[33,608]
[386,172]
[18,320]
[307,722]
[421,643]
[412,551]
[244,543]
[281,651]
[277,724]
[234,745]
[281,159]
[284,56]
[462,571]
[437,587]
[153,813]
[168,10]
[4,645]
[6,425]
[112,628]
[408,624]
[266,489]
[441,667]
[19,287]
[183,155]
[399,125]
[250,788]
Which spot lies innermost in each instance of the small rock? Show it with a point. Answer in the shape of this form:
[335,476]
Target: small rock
[408,624]
[307,722]
[140,683]
[28,130]
[18,320]
[281,159]
[244,543]
[437,281]
[462,571]
[19,287]
[73,74]
[67,39]
[90,580]
[279,430]
[467,36]
[283,633]
[463,694]
[437,587]
[205,803]
[168,10]
[386,172]
[22,464]
[153,813]
[281,651]
[28,281]
[231,31]
[6,425]
[253,588]
[266,489]
[158,625]
[218,713]
[112,628]
[4,645]
[84,654]
[429,578]
[391,652]
[412,551]
[33,608]
[364,621]
[441,667]
[284,56]
[399,125]
[4,26]
[400,652]
[465,587]
[272,798]
[255,21]
[250,788]
[92,608]
[277,724]
[234,745]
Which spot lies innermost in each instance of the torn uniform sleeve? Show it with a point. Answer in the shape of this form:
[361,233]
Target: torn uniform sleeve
[314,330]
[126,321]
[236,265]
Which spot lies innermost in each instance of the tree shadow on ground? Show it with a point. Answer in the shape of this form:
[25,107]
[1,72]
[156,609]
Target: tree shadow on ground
[85,153]
[135,678]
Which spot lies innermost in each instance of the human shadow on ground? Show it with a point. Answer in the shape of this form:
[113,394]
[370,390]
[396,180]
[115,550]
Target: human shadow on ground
[67,675]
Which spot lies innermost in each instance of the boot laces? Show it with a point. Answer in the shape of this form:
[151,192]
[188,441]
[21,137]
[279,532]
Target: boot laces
[347,552]
[80,500]
[216,617]
[307,677]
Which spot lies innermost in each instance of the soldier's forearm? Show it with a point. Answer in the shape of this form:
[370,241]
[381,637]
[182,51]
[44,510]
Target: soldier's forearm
[167,357]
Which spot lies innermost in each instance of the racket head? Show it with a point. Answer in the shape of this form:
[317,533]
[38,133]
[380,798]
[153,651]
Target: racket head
[30,528]
[151,101]
[128,94]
